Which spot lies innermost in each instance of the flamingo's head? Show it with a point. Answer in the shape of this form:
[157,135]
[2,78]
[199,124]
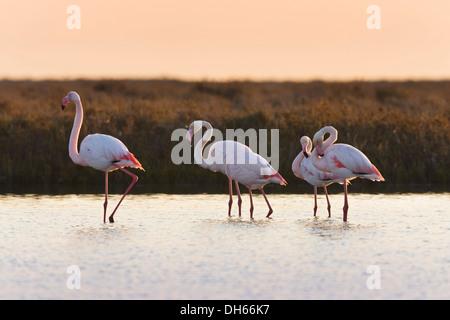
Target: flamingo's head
[72,96]
[306,145]
[193,128]
[319,151]
[319,138]
[190,133]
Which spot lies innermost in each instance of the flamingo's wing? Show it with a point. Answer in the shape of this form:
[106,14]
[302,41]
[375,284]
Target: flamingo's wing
[101,151]
[316,177]
[253,170]
[240,163]
[352,159]
[224,153]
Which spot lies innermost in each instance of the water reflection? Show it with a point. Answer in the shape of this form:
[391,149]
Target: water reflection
[331,228]
[185,246]
[189,188]
[104,231]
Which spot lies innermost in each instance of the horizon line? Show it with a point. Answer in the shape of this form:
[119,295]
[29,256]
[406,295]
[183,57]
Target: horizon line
[225,79]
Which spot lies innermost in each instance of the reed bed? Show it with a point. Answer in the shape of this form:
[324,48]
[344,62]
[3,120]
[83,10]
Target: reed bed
[403,127]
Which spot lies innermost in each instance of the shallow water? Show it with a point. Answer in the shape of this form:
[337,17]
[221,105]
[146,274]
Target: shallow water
[185,247]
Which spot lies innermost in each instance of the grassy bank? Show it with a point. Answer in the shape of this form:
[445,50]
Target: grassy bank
[403,127]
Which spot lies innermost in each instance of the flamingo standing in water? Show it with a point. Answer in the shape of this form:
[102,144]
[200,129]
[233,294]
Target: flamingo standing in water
[342,160]
[303,168]
[99,151]
[237,161]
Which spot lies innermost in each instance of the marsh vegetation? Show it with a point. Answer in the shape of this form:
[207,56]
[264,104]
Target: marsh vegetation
[403,127]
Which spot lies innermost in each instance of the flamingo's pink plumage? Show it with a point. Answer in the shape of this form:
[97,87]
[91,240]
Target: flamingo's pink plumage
[238,162]
[99,151]
[343,160]
[303,168]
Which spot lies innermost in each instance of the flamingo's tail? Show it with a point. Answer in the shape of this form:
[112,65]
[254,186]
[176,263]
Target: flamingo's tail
[373,175]
[276,177]
[377,173]
[134,162]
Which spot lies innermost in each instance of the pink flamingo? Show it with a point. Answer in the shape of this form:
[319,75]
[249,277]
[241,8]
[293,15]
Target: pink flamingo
[342,160]
[99,151]
[238,162]
[303,168]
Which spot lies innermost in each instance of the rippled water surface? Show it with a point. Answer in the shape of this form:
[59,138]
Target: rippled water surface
[185,247]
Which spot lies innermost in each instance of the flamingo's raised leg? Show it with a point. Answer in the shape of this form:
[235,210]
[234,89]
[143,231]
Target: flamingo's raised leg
[135,179]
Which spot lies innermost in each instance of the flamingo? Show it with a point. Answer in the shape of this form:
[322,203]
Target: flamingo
[99,151]
[342,160]
[303,168]
[238,162]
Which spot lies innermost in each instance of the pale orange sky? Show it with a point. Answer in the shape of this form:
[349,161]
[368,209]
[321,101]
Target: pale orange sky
[218,39]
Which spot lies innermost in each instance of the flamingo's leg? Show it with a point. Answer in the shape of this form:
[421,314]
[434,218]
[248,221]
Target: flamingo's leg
[251,202]
[328,201]
[268,204]
[345,201]
[230,189]
[135,179]
[105,205]
[239,196]
[315,200]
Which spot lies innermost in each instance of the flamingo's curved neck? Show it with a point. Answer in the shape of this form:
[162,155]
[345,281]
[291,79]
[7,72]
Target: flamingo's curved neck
[198,150]
[73,142]
[321,145]
[308,148]
[305,153]
[296,165]
[331,139]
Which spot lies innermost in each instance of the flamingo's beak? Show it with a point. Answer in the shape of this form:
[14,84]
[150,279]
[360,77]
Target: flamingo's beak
[64,101]
[319,151]
[304,151]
